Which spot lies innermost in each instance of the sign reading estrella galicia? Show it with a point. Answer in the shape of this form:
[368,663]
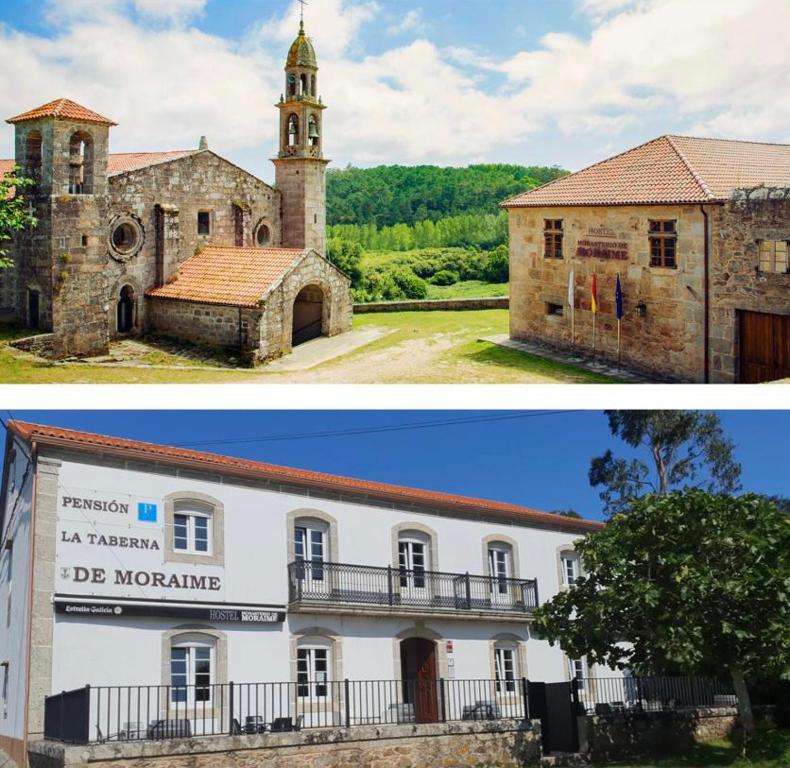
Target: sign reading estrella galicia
[146,513]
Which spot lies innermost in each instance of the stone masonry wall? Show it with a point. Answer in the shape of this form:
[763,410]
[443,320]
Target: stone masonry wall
[433,305]
[622,736]
[302,184]
[204,323]
[737,284]
[506,744]
[184,187]
[277,326]
[667,341]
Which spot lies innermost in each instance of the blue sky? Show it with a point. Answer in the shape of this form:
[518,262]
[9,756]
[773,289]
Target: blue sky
[450,82]
[538,461]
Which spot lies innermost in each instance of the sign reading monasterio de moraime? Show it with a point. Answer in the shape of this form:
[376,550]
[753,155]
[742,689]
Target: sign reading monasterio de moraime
[596,247]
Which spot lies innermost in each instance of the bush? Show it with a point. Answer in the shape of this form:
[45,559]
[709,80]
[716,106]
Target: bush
[410,286]
[444,277]
[347,256]
[497,268]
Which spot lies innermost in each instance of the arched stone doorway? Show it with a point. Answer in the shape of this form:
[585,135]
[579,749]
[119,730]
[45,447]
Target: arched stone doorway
[419,672]
[309,320]
[125,315]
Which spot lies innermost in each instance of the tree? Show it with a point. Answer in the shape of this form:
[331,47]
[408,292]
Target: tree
[680,444]
[497,268]
[14,216]
[347,256]
[690,582]
[568,513]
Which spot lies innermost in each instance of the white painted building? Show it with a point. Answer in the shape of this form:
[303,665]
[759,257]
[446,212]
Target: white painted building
[130,564]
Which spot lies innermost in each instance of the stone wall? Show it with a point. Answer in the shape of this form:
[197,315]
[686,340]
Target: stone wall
[40,344]
[433,305]
[302,184]
[505,744]
[622,736]
[165,199]
[668,340]
[737,284]
[205,323]
[314,270]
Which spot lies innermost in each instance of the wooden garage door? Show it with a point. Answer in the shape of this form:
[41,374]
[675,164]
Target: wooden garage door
[764,347]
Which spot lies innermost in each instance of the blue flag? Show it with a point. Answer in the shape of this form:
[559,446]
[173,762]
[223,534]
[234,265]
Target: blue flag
[618,298]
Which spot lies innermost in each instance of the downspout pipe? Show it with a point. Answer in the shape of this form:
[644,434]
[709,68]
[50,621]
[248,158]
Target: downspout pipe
[706,292]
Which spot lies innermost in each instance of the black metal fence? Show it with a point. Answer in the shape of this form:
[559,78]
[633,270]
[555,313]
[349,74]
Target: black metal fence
[156,712]
[369,585]
[606,695]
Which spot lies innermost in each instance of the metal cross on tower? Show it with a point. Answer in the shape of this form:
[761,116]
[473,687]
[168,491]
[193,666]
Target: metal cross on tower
[303,3]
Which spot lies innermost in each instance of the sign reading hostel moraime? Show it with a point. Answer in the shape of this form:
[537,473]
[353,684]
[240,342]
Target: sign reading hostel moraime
[112,545]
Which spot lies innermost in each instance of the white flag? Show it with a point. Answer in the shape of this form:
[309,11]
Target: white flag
[572,289]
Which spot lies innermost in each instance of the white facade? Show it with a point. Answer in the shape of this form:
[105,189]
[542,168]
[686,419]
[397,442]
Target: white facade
[136,543]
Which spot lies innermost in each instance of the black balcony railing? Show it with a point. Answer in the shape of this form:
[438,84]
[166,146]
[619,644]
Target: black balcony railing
[97,714]
[338,583]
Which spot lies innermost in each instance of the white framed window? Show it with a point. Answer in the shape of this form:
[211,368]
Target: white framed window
[312,672]
[310,547]
[506,666]
[570,568]
[577,669]
[192,670]
[412,563]
[500,567]
[4,666]
[192,530]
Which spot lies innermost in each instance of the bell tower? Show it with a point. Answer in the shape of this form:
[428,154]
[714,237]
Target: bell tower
[300,165]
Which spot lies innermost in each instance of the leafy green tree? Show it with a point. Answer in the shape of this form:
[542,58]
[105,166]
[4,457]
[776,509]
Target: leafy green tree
[690,582]
[568,513]
[497,268]
[409,285]
[347,256]
[678,446]
[14,215]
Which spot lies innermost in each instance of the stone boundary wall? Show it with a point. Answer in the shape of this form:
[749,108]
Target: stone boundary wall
[41,345]
[626,735]
[505,743]
[433,305]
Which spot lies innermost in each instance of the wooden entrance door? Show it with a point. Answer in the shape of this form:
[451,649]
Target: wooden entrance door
[418,669]
[764,347]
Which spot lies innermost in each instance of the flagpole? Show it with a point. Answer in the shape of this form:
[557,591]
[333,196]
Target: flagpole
[595,316]
[618,340]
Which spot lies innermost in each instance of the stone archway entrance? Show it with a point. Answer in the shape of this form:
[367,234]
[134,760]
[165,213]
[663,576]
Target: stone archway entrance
[420,677]
[308,315]
[125,310]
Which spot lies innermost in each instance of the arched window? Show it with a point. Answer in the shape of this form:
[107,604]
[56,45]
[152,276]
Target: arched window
[314,667]
[263,235]
[192,669]
[414,559]
[292,85]
[508,653]
[311,549]
[81,164]
[303,86]
[570,568]
[33,151]
[194,529]
[293,131]
[312,85]
[313,135]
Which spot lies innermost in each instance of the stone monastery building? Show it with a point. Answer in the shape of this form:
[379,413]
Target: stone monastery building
[697,230]
[182,243]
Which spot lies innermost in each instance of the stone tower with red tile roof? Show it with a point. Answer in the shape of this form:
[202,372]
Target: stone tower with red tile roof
[301,167]
[60,262]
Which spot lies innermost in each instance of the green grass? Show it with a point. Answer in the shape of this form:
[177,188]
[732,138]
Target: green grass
[469,289]
[418,348]
[770,749]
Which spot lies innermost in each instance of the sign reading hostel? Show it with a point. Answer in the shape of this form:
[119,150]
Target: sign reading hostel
[112,545]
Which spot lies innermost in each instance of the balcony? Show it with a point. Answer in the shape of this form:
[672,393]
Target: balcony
[360,589]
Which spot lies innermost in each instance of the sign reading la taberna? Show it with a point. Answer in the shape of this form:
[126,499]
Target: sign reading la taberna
[112,544]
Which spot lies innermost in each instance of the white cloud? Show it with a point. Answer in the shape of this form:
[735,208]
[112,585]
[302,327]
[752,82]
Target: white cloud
[721,71]
[411,22]
[178,10]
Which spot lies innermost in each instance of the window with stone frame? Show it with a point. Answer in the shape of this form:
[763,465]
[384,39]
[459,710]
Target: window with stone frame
[663,236]
[774,256]
[506,667]
[192,669]
[204,222]
[312,671]
[552,236]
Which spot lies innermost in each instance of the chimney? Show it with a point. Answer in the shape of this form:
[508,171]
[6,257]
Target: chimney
[203,143]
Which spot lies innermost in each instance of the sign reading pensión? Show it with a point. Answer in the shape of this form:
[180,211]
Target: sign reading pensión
[602,249]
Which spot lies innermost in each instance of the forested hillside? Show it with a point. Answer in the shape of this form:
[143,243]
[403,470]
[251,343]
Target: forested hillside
[394,194]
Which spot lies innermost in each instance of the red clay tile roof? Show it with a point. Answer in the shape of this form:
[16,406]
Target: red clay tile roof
[669,169]
[58,437]
[236,277]
[133,161]
[62,109]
